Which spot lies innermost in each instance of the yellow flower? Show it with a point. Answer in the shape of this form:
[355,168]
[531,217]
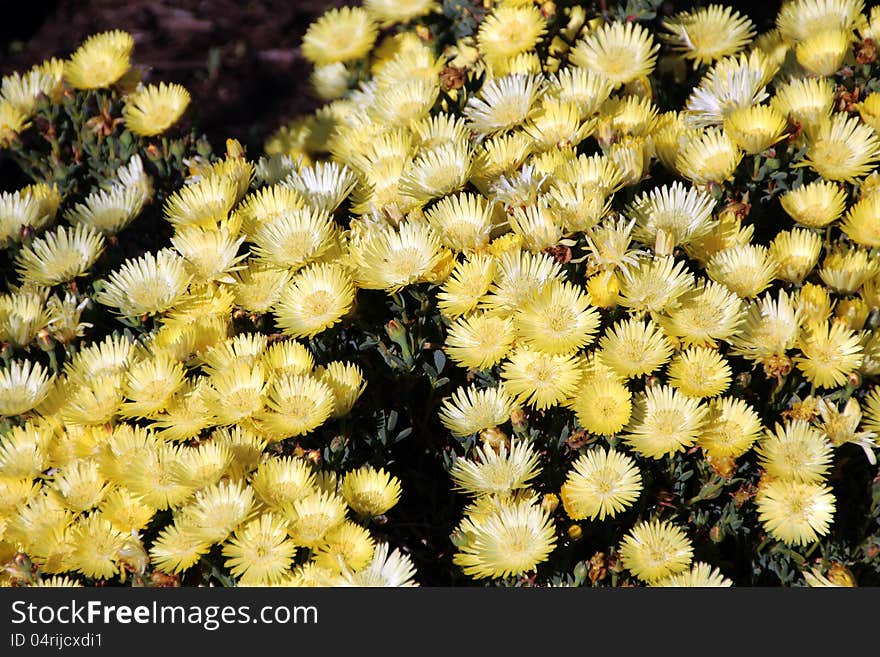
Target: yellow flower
[755,128]
[470,410]
[707,34]
[557,319]
[177,548]
[671,216]
[100,60]
[146,285]
[861,225]
[348,547]
[655,284]
[295,405]
[799,19]
[655,549]
[498,471]
[704,315]
[390,260]
[23,385]
[260,553]
[796,251]
[795,451]
[700,575]
[823,53]
[467,285]
[346,380]
[632,347]
[508,31]
[830,351]
[311,518]
[842,148]
[480,341]
[315,299]
[153,109]
[539,379]
[795,512]
[511,539]
[503,103]
[845,270]
[620,52]
[699,372]
[340,35]
[388,568]
[258,287]
[462,221]
[279,481]
[664,422]
[731,428]
[388,12]
[869,110]
[60,256]
[603,405]
[746,269]
[806,101]
[709,156]
[12,122]
[95,547]
[370,492]
[601,484]
[583,87]
[109,210]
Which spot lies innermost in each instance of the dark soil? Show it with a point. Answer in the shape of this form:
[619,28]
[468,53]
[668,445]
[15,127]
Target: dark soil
[239,59]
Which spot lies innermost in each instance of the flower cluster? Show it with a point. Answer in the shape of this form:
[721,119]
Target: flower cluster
[615,273]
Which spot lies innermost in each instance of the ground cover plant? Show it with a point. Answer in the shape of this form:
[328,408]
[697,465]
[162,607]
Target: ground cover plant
[542,294]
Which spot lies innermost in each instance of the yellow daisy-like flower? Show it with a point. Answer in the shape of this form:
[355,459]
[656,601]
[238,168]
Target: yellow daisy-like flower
[511,539]
[860,224]
[707,34]
[799,19]
[601,484]
[699,372]
[822,53]
[703,316]
[581,86]
[557,319]
[258,287]
[539,379]
[80,486]
[869,110]
[311,518]
[388,568]
[806,101]
[755,128]
[100,61]
[12,122]
[795,451]
[260,553]
[22,452]
[370,492]
[215,512]
[842,148]
[279,481]
[95,547]
[503,103]
[390,260]
[845,270]
[22,316]
[671,216]
[701,575]
[388,12]
[60,256]
[205,203]
[519,275]
[470,410]
[348,547]
[770,329]
[295,405]
[23,385]
[467,285]
[709,156]
[146,285]
[508,31]
[125,511]
[479,341]
[664,422]
[293,239]
[177,548]
[796,252]
[153,109]
[315,299]
[463,221]
[830,351]
[346,380]
[620,52]
[632,347]
[496,471]
[746,269]
[795,512]
[340,35]
[602,405]
[655,284]
[655,549]
[731,428]
[109,210]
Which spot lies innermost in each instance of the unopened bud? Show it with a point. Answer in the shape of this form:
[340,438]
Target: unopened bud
[575,532]
[549,502]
